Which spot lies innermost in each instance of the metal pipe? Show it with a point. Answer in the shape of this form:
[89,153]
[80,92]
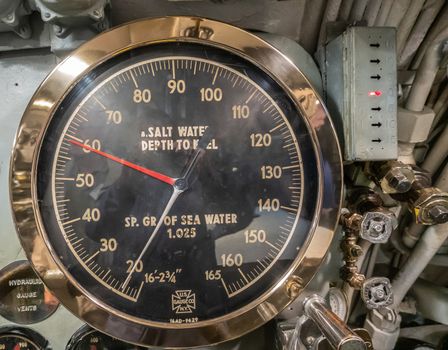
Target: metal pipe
[434,134]
[424,251]
[412,235]
[426,73]
[406,152]
[357,11]
[383,12]
[345,9]
[442,180]
[408,21]
[441,101]
[311,24]
[396,13]
[440,107]
[371,12]
[419,31]
[432,300]
[372,260]
[438,153]
[439,24]
[330,15]
[335,330]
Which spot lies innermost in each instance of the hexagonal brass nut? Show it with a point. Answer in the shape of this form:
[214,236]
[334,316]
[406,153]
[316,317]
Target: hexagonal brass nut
[414,126]
[398,179]
[428,199]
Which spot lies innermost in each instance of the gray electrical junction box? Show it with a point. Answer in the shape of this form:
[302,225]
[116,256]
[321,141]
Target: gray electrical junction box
[361,93]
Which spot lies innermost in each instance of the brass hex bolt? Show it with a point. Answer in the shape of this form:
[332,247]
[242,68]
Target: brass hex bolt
[294,287]
[439,214]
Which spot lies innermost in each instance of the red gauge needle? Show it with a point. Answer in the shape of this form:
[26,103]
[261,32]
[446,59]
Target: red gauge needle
[152,173]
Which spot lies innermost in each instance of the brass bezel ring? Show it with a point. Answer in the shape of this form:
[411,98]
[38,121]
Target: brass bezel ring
[39,113]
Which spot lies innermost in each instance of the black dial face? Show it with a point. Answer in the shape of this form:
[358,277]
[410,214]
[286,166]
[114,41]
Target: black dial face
[177,183]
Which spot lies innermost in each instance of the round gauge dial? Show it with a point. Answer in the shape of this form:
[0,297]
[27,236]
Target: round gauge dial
[12,338]
[175,178]
[16,342]
[90,339]
[177,181]
[338,302]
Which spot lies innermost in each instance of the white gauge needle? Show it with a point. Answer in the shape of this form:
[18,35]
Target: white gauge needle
[170,203]
[180,185]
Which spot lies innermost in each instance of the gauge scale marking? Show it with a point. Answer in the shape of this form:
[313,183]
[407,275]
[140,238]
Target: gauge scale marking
[115,169]
[17,338]
[16,342]
[130,76]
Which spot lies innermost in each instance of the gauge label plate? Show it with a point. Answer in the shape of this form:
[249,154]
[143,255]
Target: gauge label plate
[23,297]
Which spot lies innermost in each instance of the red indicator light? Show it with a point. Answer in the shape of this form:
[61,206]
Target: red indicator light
[375,93]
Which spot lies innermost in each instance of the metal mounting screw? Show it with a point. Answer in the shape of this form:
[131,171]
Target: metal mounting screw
[356,251]
[294,286]
[376,228]
[309,340]
[397,180]
[431,206]
[439,214]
